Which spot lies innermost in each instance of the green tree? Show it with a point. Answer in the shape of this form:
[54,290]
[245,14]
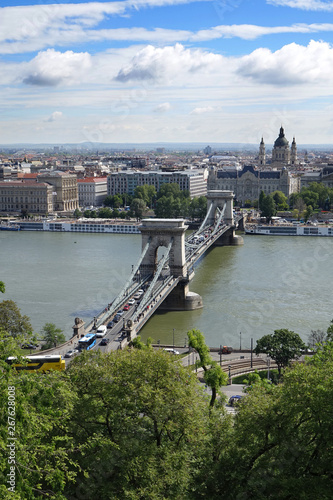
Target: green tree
[281,200]
[139,425]
[138,206]
[308,212]
[214,376]
[2,287]
[77,213]
[282,346]
[105,213]
[262,197]
[44,460]
[12,321]
[52,336]
[268,207]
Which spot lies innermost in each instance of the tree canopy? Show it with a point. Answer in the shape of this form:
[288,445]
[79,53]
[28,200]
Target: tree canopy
[282,346]
[12,321]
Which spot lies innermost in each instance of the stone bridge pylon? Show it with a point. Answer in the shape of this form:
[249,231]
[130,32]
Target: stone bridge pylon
[161,233]
[218,200]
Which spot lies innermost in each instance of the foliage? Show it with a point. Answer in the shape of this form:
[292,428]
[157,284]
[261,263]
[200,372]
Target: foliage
[52,336]
[137,343]
[44,464]
[146,193]
[138,207]
[12,320]
[282,346]
[214,376]
[172,202]
[77,213]
[139,424]
[198,207]
[254,379]
[2,287]
[280,200]
[267,206]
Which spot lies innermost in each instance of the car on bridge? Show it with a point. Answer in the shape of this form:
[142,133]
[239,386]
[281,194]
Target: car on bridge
[131,302]
[104,342]
[110,324]
[126,307]
[71,353]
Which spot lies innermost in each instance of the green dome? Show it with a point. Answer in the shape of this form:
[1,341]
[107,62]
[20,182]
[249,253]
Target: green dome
[281,141]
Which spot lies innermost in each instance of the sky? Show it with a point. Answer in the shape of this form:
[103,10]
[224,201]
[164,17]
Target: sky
[166,71]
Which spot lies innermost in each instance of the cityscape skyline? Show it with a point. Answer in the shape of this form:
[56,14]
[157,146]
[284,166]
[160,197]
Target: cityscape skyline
[165,71]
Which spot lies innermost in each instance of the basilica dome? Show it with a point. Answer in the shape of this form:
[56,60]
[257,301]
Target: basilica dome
[281,141]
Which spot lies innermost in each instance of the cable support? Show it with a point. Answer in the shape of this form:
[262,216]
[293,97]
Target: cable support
[148,295]
[219,219]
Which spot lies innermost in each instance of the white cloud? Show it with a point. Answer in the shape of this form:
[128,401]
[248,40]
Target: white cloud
[201,111]
[158,64]
[52,68]
[54,116]
[316,5]
[292,64]
[162,108]
[33,27]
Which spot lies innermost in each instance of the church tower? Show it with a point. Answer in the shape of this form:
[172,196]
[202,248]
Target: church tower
[281,151]
[262,153]
[293,157]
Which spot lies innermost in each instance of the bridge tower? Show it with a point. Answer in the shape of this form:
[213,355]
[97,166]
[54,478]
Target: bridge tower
[217,199]
[160,233]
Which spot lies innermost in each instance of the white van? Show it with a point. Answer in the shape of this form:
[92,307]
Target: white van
[101,331]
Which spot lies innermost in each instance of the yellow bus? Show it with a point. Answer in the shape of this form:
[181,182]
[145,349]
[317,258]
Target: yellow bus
[38,363]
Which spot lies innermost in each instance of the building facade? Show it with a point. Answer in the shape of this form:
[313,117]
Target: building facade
[324,176]
[92,191]
[126,181]
[248,183]
[65,191]
[27,196]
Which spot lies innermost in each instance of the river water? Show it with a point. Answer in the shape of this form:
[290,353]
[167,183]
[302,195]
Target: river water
[248,291]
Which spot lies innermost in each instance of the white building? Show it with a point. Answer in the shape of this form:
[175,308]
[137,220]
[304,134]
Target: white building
[92,191]
[194,181]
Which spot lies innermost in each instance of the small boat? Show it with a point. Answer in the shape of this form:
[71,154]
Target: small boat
[9,227]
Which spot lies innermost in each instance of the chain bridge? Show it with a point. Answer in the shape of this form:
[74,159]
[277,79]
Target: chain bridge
[166,265]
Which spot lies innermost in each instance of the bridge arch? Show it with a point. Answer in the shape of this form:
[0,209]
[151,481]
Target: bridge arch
[163,233]
[220,200]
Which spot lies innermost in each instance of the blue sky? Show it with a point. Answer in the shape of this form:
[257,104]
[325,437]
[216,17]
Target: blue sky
[166,70]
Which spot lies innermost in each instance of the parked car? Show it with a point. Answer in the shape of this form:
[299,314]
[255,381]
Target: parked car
[104,342]
[234,400]
[171,351]
[29,346]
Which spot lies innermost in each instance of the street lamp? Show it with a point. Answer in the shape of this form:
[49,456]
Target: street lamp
[240,341]
[55,340]
[268,367]
[173,337]
[229,374]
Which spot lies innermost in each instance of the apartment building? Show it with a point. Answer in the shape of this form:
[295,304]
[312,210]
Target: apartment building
[194,181]
[92,191]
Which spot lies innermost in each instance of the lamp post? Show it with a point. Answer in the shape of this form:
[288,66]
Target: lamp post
[173,338]
[268,367]
[229,374]
[55,340]
[240,341]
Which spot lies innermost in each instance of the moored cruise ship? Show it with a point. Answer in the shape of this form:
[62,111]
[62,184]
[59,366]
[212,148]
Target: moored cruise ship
[82,226]
[289,230]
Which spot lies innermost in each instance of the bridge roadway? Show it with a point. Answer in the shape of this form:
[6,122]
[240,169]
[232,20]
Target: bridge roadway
[195,247]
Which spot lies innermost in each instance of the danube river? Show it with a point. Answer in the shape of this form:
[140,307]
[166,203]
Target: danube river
[248,291]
